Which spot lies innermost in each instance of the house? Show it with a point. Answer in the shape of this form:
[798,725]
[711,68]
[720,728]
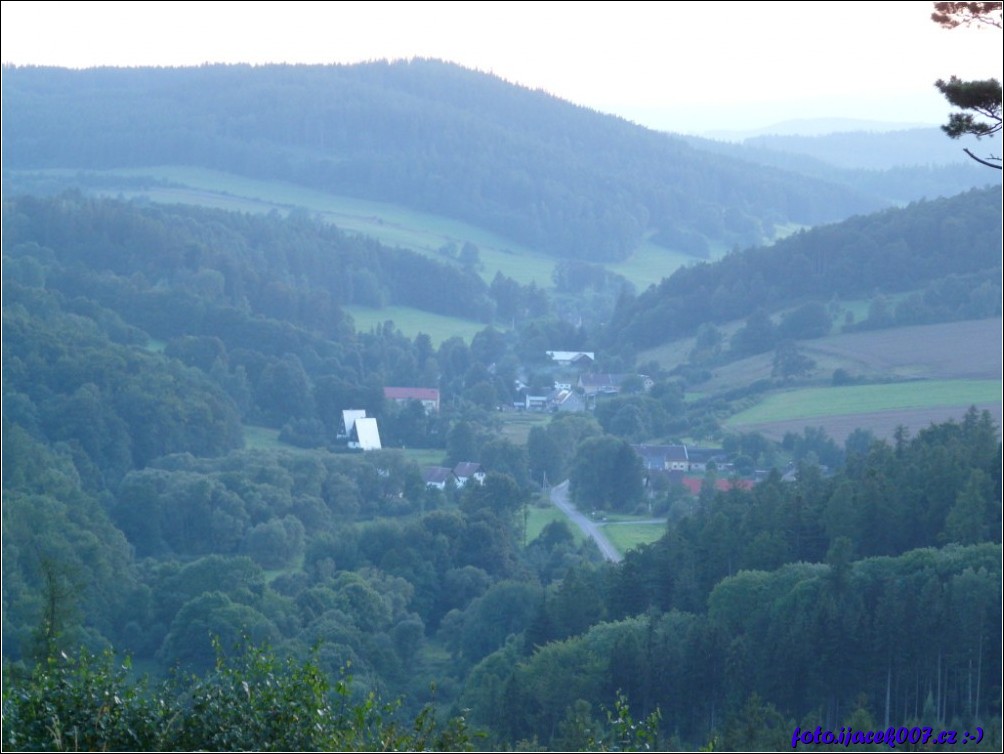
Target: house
[569,400]
[536,402]
[349,418]
[427,396]
[700,458]
[465,471]
[677,458]
[663,457]
[610,384]
[580,359]
[365,434]
[601,384]
[436,476]
[653,457]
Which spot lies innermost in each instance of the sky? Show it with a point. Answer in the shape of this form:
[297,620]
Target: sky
[689,67]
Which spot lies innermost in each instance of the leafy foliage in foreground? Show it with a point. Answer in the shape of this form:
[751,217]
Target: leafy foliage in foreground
[254,701]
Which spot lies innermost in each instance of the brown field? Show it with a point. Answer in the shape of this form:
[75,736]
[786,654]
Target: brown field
[952,351]
[955,350]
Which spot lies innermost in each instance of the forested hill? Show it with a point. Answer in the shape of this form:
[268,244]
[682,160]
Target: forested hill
[429,135]
[892,251]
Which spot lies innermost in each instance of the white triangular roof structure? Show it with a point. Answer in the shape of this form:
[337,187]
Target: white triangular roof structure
[350,416]
[368,434]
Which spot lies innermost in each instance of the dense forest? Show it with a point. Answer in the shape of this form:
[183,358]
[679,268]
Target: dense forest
[949,249]
[196,557]
[141,345]
[425,134]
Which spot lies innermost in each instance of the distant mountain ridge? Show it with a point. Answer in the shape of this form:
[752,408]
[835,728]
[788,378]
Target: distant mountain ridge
[430,135]
[812,127]
[895,166]
[872,150]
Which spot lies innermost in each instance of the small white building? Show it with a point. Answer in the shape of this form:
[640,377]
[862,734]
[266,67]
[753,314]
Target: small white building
[466,471]
[365,435]
[349,418]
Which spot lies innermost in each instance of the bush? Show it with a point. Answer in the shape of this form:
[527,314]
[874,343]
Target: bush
[254,701]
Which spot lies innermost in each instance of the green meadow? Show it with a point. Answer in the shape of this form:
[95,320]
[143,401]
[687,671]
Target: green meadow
[629,536]
[538,518]
[412,321]
[516,425]
[390,224]
[262,438]
[861,399]
[425,456]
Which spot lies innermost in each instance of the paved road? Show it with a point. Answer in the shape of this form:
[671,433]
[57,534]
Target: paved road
[559,496]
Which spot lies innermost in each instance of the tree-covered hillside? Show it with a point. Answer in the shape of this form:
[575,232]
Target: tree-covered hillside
[429,135]
[896,250]
[176,485]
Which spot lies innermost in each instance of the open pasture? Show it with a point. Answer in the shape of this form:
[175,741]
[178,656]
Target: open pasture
[877,408]
[411,322]
[391,224]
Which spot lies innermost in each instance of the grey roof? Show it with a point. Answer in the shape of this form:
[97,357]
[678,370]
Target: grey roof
[659,455]
[435,474]
[466,469]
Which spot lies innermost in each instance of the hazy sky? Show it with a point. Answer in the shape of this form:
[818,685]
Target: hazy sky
[681,66]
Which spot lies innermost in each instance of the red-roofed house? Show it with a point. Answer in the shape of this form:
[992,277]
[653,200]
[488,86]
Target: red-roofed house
[428,396]
[694,483]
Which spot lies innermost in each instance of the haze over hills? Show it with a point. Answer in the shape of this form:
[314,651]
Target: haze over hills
[808,127]
[429,135]
[865,150]
[894,166]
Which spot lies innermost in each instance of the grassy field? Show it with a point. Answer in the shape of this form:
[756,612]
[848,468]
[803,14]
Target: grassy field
[262,438]
[883,425]
[516,425]
[411,322]
[392,224]
[809,403]
[538,518]
[628,536]
[955,350]
[425,456]
[649,264]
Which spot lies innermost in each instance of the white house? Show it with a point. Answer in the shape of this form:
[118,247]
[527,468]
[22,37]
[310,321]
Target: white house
[365,434]
[465,471]
[349,418]
[436,476]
